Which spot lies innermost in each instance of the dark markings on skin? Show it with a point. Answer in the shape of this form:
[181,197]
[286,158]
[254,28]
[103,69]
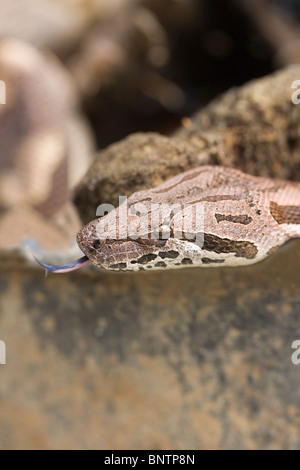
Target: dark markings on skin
[160,243]
[118,266]
[138,202]
[150,242]
[141,268]
[191,176]
[258,212]
[242,249]
[185,178]
[186,261]
[146,258]
[285,214]
[96,245]
[211,261]
[109,241]
[149,267]
[140,241]
[236,219]
[218,198]
[168,254]
[160,264]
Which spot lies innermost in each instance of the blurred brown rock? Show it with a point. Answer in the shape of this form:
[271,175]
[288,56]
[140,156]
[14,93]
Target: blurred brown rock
[46,144]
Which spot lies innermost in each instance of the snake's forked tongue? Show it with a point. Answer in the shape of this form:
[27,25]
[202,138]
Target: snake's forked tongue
[64,268]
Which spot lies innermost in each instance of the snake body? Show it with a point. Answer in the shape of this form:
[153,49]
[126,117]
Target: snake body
[243,220]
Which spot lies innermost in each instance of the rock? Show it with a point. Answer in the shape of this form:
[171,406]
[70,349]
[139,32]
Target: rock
[255,128]
[260,124]
[182,359]
[138,162]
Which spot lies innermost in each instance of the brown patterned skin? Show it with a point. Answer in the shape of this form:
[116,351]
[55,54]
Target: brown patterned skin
[232,219]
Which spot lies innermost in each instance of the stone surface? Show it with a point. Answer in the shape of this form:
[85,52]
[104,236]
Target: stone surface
[260,124]
[255,128]
[192,359]
[141,161]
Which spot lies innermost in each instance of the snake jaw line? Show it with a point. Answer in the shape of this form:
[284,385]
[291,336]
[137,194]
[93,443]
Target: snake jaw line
[64,268]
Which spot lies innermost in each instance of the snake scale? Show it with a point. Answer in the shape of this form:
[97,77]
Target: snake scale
[232,219]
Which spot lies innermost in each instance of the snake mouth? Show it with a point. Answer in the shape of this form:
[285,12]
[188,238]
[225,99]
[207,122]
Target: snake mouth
[64,268]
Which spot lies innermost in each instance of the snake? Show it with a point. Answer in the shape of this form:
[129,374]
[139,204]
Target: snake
[210,216]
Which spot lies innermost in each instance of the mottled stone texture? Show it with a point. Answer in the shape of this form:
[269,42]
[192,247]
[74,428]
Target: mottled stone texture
[197,358]
[259,123]
[140,161]
[255,128]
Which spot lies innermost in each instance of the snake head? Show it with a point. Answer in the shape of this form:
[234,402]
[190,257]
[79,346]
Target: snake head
[208,216]
[137,236]
[128,254]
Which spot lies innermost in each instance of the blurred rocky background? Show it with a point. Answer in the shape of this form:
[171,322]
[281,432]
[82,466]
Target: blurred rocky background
[188,359]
